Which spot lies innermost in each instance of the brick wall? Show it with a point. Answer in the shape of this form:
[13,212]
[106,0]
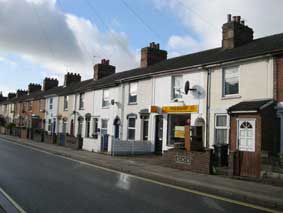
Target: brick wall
[279,78]
[200,162]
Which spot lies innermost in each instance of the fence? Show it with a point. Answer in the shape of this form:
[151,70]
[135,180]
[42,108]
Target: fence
[119,147]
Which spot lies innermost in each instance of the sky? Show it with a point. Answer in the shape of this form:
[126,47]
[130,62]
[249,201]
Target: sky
[48,38]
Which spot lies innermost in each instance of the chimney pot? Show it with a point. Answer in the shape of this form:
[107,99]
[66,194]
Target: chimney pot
[238,18]
[234,18]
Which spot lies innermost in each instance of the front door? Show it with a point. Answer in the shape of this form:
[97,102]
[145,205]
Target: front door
[249,157]
[158,134]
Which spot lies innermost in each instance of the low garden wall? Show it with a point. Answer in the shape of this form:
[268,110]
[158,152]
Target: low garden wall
[195,161]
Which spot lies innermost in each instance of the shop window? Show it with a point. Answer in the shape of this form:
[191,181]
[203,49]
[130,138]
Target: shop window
[133,93]
[221,129]
[106,98]
[177,85]
[132,127]
[230,81]
[176,128]
[95,128]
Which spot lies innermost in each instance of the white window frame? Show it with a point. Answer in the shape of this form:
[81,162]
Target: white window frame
[81,101]
[143,121]
[227,127]
[103,128]
[174,88]
[95,128]
[224,80]
[132,128]
[105,100]
[51,103]
[66,102]
[133,93]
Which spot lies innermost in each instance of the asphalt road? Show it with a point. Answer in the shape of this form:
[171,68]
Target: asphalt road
[40,182]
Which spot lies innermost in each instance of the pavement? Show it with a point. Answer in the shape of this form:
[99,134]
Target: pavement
[212,187]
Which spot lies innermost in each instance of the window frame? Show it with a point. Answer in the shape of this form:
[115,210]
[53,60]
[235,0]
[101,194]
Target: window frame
[131,128]
[227,127]
[133,94]
[224,69]
[81,101]
[173,87]
[87,128]
[105,99]
[66,102]
[30,106]
[143,129]
[41,105]
[51,103]
[95,129]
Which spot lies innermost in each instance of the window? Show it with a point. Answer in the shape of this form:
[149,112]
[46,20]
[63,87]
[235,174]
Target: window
[106,98]
[80,126]
[131,127]
[231,81]
[30,106]
[221,129]
[87,126]
[104,125]
[49,125]
[145,129]
[41,105]
[81,104]
[133,92]
[66,101]
[177,85]
[72,128]
[95,128]
[51,103]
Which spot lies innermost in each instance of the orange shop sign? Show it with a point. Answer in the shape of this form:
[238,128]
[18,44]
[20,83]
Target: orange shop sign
[180,109]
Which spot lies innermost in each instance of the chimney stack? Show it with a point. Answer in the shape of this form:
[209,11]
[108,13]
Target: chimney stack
[50,83]
[11,95]
[103,69]
[152,55]
[21,93]
[71,78]
[2,98]
[33,88]
[235,33]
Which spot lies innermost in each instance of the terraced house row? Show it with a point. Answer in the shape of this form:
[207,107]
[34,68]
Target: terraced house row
[231,95]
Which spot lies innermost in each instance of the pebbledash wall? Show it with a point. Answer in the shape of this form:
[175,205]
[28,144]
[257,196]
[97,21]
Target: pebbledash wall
[255,82]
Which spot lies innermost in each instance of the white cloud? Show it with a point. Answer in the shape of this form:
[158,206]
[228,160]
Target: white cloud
[204,20]
[39,32]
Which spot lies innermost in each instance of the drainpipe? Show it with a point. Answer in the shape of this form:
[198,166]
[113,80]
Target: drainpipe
[122,110]
[208,100]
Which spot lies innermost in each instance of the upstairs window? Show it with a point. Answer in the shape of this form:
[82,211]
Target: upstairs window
[30,106]
[81,104]
[105,98]
[66,102]
[40,105]
[24,106]
[51,103]
[231,81]
[177,85]
[133,93]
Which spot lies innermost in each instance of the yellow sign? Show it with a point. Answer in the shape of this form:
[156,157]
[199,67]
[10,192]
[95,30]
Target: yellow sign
[180,109]
[179,132]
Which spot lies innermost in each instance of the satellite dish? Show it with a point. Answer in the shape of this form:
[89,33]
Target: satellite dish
[198,91]
[187,87]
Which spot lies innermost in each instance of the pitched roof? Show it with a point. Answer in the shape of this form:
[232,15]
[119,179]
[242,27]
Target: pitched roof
[262,46]
[255,105]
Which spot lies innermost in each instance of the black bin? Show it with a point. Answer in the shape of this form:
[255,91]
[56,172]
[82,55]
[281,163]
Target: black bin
[221,155]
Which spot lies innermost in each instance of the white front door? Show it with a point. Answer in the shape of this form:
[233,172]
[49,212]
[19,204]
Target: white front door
[246,135]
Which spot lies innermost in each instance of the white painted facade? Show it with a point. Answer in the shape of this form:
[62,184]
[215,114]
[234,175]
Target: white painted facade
[51,113]
[255,82]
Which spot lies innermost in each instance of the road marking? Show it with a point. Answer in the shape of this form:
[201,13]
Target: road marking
[216,197]
[11,200]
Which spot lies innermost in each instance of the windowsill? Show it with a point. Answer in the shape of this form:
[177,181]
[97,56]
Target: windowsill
[65,110]
[231,97]
[81,109]
[105,107]
[133,103]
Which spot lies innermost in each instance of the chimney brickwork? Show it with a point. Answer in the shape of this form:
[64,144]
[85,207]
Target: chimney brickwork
[103,69]
[21,93]
[71,78]
[50,83]
[152,55]
[235,33]
[34,87]
[11,95]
